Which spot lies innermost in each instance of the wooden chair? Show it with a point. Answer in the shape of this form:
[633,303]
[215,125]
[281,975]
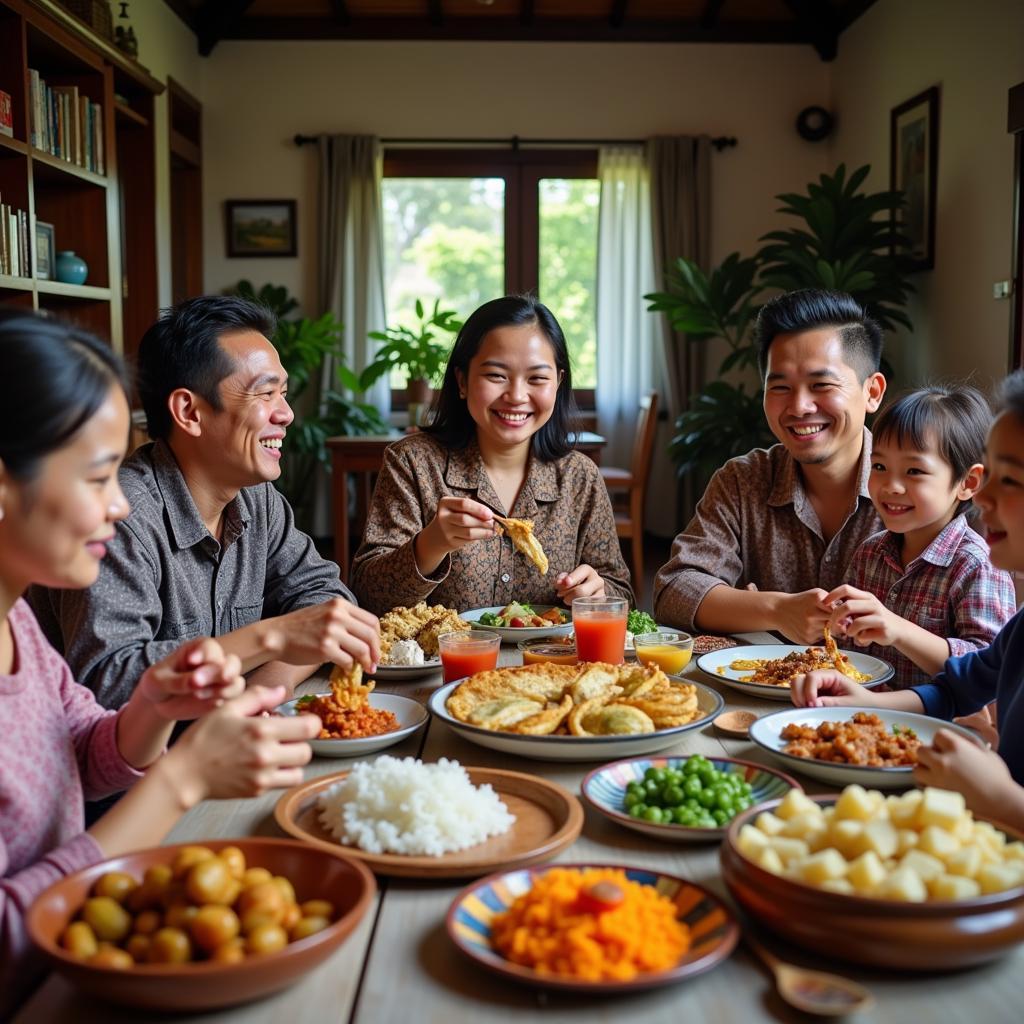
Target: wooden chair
[632,482]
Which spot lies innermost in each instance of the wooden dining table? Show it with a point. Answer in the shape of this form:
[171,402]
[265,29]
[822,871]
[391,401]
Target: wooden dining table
[400,966]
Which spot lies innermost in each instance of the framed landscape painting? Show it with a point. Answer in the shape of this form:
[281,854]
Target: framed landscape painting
[261,227]
[914,156]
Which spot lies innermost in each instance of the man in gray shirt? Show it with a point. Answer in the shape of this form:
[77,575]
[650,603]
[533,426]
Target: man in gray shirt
[210,546]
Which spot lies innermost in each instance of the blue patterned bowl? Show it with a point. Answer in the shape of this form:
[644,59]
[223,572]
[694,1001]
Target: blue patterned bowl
[713,929]
[605,790]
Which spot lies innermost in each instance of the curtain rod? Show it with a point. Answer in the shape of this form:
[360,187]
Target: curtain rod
[720,142]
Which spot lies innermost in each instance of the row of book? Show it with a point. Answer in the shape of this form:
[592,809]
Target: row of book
[65,124]
[14,248]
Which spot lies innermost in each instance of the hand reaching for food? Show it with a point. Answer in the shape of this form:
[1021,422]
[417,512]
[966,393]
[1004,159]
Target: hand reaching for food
[859,615]
[196,678]
[583,581]
[457,522]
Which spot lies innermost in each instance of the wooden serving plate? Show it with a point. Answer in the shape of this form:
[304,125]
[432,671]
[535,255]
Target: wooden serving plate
[548,819]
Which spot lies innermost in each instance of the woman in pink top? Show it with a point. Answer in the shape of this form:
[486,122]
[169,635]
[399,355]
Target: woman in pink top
[63,427]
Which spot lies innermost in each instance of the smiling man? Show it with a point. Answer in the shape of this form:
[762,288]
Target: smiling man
[209,546]
[776,528]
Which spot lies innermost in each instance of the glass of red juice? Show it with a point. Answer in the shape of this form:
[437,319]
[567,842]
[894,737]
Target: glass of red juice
[600,626]
[467,651]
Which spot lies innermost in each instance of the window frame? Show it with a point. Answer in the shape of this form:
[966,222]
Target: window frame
[522,171]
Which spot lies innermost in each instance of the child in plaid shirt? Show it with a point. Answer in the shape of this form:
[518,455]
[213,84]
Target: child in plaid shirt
[923,589]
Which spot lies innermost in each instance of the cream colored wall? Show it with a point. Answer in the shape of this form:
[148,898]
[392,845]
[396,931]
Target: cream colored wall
[256,96]
[974,52]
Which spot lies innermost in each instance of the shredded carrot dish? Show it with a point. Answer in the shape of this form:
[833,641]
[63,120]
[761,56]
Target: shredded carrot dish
[595,925]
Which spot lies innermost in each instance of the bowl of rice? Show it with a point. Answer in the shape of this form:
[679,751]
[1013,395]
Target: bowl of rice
[408,818]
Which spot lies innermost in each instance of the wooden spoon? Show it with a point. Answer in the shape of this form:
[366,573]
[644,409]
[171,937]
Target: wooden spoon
[817,992]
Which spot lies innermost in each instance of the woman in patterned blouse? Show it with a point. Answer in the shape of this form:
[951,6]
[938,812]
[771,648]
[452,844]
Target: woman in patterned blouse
[499,442]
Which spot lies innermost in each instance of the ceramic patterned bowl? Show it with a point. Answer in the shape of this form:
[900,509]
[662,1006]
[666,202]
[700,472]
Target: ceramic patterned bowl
[604,789]
[713,930]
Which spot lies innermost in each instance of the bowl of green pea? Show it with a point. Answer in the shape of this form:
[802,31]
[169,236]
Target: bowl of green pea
[681,799]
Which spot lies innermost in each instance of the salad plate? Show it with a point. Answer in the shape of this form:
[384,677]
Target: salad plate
[513,634]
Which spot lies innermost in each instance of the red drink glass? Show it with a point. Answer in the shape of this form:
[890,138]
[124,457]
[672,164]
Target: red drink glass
[465,652]
[600,625]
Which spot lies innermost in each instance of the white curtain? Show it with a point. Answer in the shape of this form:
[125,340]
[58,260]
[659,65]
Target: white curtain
[628,337]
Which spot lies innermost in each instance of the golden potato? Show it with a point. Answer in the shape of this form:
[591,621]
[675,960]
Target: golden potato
[109,921]
[79,940]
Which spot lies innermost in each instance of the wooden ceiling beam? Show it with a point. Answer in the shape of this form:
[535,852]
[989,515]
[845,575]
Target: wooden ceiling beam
[435,12]
[820,23]
[618,13]
[339,9]
[217,20]
[526,13]
[709,19]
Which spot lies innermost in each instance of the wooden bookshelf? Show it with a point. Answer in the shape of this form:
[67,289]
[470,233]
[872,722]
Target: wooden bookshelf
[107,216]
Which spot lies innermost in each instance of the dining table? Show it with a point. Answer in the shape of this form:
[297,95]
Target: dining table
[400,966]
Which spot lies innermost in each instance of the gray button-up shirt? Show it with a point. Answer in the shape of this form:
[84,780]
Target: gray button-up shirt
[165,579]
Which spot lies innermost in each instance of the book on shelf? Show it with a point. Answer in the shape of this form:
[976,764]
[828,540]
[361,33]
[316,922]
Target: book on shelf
[14,245]
[66,124]
[6,114]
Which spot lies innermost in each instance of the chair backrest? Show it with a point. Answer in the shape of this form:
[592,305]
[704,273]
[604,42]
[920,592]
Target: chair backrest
[643,440]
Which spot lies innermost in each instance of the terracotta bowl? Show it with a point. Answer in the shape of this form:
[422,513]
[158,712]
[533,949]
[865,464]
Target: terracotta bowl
[930,936]
[203,986]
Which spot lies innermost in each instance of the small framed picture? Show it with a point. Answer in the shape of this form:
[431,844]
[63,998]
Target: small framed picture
[914,157]
[261,227]
[44,251]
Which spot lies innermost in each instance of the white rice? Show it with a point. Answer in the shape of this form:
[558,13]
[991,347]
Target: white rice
[397,805]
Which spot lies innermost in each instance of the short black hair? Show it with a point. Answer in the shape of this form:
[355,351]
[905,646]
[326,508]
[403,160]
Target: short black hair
[450,421]
[1010,395]
[182,350]
[811,308]
[957,417]
[61,375]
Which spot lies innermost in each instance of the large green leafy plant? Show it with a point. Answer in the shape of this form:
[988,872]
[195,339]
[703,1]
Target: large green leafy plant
[303,344]
[846,240]
[421,351]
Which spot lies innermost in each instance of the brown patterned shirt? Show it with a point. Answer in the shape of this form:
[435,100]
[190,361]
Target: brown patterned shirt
[566,499]
[756,524]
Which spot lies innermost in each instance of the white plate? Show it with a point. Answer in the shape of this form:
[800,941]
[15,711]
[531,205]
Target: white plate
[411,716]
[577,748]
[879,670]
[512,634]
[398,672]
[765,732]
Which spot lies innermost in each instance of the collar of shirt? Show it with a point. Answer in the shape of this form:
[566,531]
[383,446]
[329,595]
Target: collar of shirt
[186,525]
[788,488]
[465,470]
[941,551]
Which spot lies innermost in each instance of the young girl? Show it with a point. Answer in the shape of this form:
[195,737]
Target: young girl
[992,783]
[63,428]
[923,589]
[499,442]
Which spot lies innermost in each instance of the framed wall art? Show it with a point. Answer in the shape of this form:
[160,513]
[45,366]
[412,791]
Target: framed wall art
[914,157]
[261,227]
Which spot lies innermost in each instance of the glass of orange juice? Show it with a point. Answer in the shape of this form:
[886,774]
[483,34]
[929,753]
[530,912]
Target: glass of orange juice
[669,651]
[465,652]
[600,627]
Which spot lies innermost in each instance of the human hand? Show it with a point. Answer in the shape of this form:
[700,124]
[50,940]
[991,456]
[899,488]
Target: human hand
[195,679]
[828,689]
[336,631]
[955,762]
[460,521]
[859,615]
[583,581]
[984,722]
[802,617]
[230,753]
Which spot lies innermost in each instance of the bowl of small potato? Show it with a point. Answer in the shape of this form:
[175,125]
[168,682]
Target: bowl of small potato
[200,926]
[910,881]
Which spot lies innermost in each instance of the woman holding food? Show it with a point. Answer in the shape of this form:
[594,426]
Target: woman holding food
[63,429]
[499,445]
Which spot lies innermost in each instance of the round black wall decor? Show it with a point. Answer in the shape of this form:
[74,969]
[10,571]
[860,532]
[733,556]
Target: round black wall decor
[813,123]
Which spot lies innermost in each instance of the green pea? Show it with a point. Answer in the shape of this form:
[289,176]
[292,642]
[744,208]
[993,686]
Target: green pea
[672,795]
[653,814]
[637,810]
[692,785]
[706,798]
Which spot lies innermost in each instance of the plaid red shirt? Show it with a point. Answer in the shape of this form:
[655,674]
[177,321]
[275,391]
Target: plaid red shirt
[951,589]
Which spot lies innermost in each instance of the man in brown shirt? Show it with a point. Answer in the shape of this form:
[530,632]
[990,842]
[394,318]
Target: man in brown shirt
[776,529]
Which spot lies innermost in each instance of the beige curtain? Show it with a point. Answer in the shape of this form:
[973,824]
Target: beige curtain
[680,176]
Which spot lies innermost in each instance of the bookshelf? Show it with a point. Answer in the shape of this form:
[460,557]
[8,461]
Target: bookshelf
[101,198]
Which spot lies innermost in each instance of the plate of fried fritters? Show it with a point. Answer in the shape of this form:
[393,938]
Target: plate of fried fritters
[587,712]
[422,623]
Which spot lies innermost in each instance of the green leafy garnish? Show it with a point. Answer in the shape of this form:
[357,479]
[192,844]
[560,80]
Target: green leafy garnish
[904,731]
[640,622]
[307,699]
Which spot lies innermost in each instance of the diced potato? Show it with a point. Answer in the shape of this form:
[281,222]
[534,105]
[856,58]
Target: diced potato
[880,836]
[938,842]
[941,807]
[788,849]
[856,803]
[808,827]
[1014,851]
[837,885]
[822,866]
[964,828]
[988,835]
[903,809]
[769,824]
[965,862]
[953,887]
[770,861]
[796,804]
[905,885]
[751,841]
[924,865]
[997,877]
[845,835]
[906,839]
[818,839]
[867,872]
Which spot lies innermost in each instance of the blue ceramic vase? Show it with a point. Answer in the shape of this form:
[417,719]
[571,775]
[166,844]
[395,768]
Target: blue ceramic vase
[71,269]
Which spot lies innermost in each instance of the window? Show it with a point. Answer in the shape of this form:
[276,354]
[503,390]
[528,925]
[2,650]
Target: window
[467,226]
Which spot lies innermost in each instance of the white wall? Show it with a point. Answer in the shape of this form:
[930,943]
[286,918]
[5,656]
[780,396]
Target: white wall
[974,52]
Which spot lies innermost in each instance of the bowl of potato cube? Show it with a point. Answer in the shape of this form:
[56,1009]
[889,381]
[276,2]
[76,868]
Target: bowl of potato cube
[200,926]
[911,881]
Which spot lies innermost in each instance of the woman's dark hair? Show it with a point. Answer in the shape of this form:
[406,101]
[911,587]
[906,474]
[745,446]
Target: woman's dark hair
[810,308]
[182,350]
[1010,395]
[957,417]
[451,422]
[60,375]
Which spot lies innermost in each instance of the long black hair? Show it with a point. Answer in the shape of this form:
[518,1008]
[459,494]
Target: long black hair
[60,375]
[450,420]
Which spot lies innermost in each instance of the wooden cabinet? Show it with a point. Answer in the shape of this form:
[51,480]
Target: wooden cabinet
[106,216]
